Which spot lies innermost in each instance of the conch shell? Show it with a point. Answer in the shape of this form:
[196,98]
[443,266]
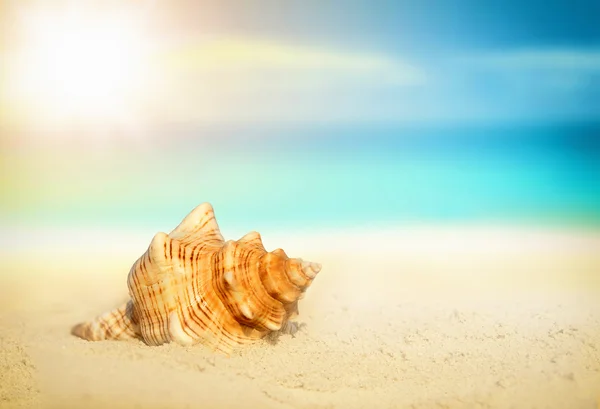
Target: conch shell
[191,287]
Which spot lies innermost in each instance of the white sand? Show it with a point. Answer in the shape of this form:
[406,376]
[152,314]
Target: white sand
[473,317]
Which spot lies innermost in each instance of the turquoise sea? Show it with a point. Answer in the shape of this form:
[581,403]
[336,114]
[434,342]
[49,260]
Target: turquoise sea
[319,177]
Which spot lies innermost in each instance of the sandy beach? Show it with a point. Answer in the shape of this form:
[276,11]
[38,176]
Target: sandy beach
[419,317]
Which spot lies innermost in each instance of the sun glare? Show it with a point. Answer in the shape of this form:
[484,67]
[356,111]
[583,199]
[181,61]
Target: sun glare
[79,65]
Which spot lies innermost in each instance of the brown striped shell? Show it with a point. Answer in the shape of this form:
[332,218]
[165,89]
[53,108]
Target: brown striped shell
[191,287]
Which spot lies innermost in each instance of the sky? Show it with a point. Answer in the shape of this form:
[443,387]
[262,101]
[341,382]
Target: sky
[352,61]
[431,60]
[412,25]
[87,72]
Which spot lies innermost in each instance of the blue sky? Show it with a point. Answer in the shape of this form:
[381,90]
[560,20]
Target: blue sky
[470,60]
[400,25]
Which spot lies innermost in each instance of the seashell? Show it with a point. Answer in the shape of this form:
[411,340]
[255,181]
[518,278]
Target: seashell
[192,287]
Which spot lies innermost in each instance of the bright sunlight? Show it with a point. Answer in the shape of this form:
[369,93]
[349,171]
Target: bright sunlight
[79,65]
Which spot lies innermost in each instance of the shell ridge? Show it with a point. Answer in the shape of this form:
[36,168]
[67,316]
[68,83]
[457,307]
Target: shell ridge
[270,310]
[115,324]
[275,311]
[281,284]
[154,274]
[135,290]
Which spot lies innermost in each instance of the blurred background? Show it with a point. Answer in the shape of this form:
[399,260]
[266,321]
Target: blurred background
[305,115]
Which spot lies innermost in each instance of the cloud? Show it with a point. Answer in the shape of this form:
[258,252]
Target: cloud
[252,58]
[542,59]
[245,79]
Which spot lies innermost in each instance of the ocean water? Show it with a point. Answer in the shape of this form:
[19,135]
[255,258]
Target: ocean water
[313,177]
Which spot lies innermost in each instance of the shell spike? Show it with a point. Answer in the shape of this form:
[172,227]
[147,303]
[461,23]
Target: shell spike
[201,219]
[253,238]
[245,309]
[228,277]
[163,248]
[310,269]
[118,324]
[280,253]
